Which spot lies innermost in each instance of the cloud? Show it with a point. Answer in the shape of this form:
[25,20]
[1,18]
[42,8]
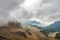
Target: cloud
[6,6]
[44,10]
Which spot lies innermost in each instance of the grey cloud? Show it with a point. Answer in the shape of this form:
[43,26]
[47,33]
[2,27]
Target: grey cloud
[5,7]
[8,5]
[50,13]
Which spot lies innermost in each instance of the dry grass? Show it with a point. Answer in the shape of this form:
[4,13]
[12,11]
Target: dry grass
[10,32]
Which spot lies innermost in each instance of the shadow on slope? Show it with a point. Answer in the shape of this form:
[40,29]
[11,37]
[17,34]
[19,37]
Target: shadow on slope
[16,31]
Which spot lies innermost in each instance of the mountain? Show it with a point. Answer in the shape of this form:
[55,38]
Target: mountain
[11,32]
[35,24]
[55,27]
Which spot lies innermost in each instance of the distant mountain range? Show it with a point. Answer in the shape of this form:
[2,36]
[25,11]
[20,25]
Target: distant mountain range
[35,24]
[54,27]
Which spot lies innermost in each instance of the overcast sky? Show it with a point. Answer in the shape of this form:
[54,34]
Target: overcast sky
[44,10]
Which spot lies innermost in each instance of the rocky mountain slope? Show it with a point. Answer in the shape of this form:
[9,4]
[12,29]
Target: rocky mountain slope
[16,31]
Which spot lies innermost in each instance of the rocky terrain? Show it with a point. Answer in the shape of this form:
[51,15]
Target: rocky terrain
[16,31]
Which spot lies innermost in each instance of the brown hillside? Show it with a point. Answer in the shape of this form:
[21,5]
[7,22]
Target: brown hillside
[16,31]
